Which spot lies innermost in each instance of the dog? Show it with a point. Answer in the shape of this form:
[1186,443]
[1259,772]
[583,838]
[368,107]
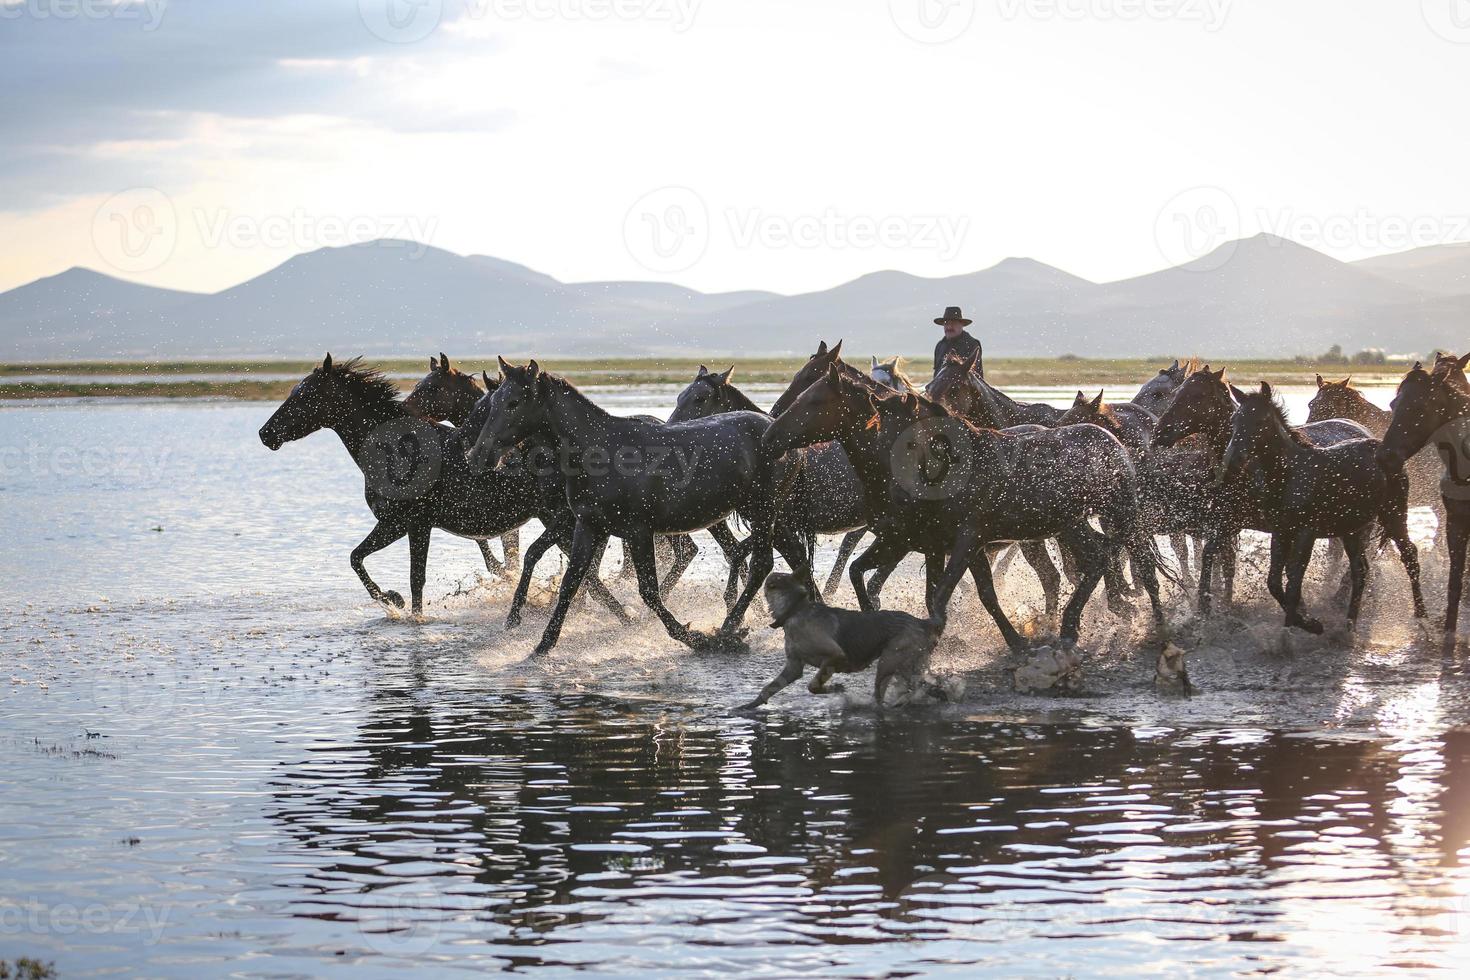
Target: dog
[840,641]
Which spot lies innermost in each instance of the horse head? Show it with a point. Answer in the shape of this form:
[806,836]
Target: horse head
[330,395]
[708,394]
[811,371]
[828,408]
[1203,403]
[512,412]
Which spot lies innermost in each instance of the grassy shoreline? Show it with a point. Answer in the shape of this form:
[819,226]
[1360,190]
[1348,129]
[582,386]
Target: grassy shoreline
[1004,372]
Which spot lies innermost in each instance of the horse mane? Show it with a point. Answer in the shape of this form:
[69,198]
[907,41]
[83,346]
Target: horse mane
[1278,411]
[1190,366]
[369,383]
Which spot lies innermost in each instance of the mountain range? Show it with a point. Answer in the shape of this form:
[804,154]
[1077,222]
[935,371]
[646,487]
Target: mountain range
[1257,297]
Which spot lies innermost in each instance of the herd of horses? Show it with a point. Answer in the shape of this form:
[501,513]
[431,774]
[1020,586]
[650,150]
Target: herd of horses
[958,471]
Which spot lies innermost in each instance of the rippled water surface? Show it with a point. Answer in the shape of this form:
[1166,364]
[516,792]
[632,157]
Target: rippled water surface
[217,758]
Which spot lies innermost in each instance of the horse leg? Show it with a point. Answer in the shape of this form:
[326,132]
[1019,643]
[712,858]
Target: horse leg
[1299,557]
[1398,530]
[1356,546]
[379,538]
[684,550]
[492,564]
[1207,554]
[797,556]
[1180,544]
[1459,537]
[881,553]
[933,572]
[1091,550]
[1039,558]
[1229,551]
[510,544]
[626,570]
[844,552]
[418,564]
[538,548]
[1279,544]
[1142,553]
[735,551]
[641,549]
[587,546]
[761,562]
[979,569]
[877,581]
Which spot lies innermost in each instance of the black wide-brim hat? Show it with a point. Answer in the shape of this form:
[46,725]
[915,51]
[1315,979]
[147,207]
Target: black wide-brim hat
[952,314]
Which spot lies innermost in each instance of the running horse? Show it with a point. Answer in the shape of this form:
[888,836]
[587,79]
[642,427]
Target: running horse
[634,479]
[953,489]
[1431,407]
[414,473]
[828,500]
[1312,492]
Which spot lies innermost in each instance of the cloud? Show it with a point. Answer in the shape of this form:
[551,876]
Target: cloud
[110,93]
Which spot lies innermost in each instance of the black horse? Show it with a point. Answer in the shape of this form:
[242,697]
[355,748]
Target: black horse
[414,473]
[1430,407]
[447,394]
[1309,492]
[829,498]
[953,489]
[1340,400]
[634,479]
[1204,407]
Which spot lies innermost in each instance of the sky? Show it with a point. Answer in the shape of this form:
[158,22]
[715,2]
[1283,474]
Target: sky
[724,144]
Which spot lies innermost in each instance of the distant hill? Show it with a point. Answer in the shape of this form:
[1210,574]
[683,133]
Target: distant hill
[1259,297]
[1443,269]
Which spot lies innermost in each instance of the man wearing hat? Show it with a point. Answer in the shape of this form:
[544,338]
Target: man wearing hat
[955,340]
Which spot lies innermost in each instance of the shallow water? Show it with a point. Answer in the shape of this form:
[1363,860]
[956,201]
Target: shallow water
[216,758]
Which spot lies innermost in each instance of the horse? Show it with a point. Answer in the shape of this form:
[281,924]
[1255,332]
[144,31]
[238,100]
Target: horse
[447,394]
[1431,407]
[1163,475]
[1155,394]
[828,500]
[634,479]
[953,488]
[1204,407]
[890,374]
[1336,491]
[1340,400]
[414,473]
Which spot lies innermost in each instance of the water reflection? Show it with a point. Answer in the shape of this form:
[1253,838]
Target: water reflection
[537,828]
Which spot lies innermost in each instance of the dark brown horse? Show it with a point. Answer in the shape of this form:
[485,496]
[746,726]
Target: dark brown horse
[1204,407]
[952,489]
[1340,400]
[635,479]
[1337,491]
[1430,408]
[414,473]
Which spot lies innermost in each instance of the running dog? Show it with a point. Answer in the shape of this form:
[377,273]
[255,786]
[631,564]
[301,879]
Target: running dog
[840,641]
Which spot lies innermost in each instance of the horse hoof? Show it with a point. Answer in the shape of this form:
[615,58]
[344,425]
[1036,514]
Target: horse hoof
[513,620]
[393,599]
[541,651]
[1308,624]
